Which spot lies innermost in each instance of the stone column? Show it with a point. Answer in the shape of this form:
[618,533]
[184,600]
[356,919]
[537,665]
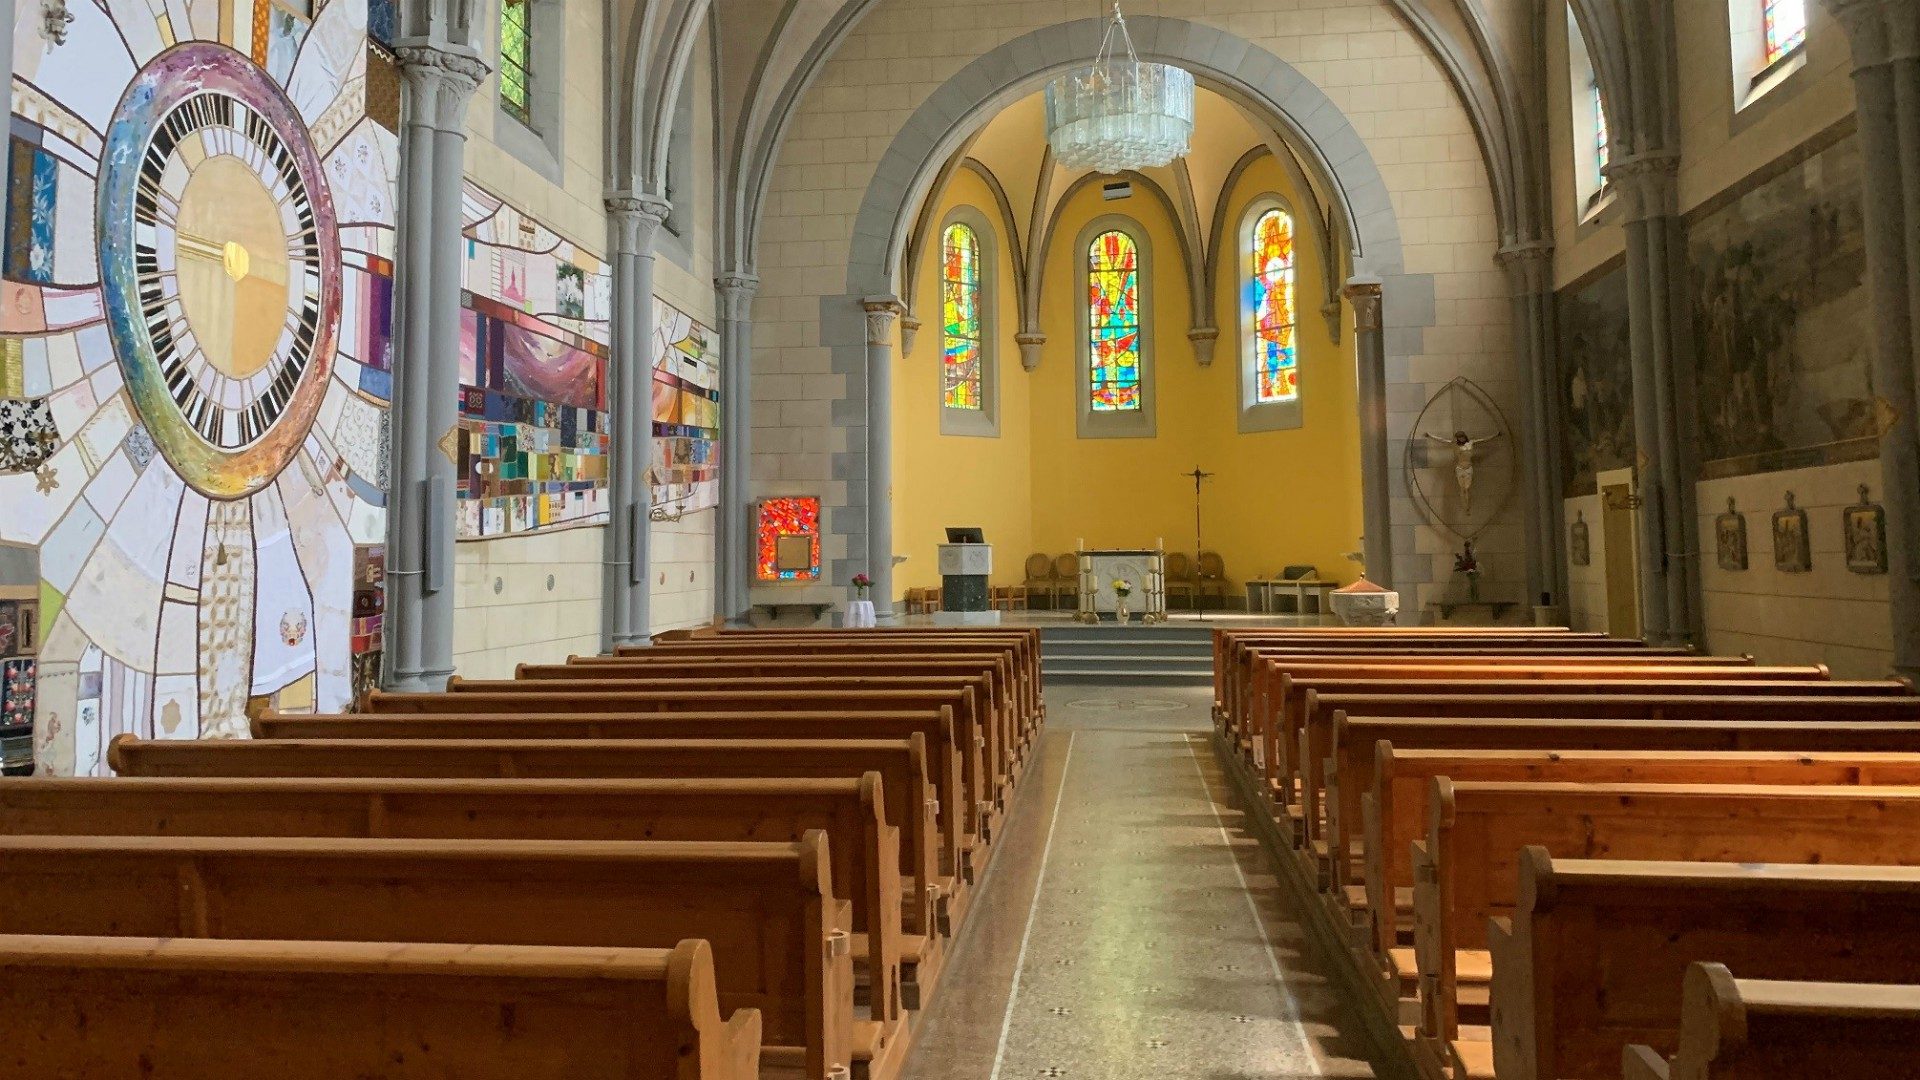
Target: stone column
[1529,269]
[883,313]
[1885,38]
[1659,345]
[438,82]
[633,222]
[1376,499]
[733,546]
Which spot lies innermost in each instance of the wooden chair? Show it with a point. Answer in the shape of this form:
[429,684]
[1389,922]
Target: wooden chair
[1179,577]
[1007,597]
[1066,580]
[1040,580]
[924,601]
[1213,578]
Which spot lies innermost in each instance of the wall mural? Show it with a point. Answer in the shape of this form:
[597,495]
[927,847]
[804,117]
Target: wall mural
[1781,313]
[1596,381]
[533,375]
[194,362]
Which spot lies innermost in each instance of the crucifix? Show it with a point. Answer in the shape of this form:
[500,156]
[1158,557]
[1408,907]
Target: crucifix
[1199,545]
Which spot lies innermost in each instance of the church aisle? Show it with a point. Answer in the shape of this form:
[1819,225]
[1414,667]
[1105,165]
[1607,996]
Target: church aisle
[1155,944]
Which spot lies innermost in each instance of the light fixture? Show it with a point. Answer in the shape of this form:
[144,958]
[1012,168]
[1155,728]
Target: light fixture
[1119,113]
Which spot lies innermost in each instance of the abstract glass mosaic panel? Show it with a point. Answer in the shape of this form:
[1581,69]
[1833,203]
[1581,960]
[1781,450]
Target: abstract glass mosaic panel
[1275,360]
[532,447]
[1786,27]
[195,351]
[686,412]
[788,547]
[1113,306]
[961,380]
[516,58]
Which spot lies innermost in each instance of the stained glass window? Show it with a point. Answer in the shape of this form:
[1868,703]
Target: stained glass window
[788,547]
[1275,361]
[1786,26]
[1602,148]
[1113,305]
[960,285]
[516,58]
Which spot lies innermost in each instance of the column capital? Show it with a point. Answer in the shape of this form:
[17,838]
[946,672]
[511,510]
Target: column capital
[736,291]
[882,313]
[1878,31]
[1030,342]
[1646,182]
[909,330]
[439,82]
[1529,263]
[1364,294]
[637,218]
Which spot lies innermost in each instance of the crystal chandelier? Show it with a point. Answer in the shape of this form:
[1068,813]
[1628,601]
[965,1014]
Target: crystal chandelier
[1119,113]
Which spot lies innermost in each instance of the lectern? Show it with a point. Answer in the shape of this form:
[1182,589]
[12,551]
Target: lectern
[966,560]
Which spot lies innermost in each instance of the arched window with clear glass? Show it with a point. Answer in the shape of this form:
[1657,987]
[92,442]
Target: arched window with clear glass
[1275,355]
[962,374]
[1113,297]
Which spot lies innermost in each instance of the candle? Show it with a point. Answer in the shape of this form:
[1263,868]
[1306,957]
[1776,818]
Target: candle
[1080,544]
[1159,543]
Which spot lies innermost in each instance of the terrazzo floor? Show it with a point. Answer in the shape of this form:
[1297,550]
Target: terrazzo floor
[1128,925]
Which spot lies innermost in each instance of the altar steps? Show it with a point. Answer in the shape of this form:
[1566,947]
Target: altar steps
[1178,655]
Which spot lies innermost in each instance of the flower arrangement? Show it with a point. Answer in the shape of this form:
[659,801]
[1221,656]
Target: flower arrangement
[1469,564]
[1122,587]
[861,583]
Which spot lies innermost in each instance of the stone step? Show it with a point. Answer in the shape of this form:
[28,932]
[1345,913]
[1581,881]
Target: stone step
[1126,675]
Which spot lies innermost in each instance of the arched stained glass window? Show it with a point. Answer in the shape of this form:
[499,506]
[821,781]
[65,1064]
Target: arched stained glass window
[1602,148]
[1786,22]
[1113,295]
[1275,357]
[962,374]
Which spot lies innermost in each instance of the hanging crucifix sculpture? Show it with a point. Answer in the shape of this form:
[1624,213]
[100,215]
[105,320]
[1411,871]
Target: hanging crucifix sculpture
[1464,448]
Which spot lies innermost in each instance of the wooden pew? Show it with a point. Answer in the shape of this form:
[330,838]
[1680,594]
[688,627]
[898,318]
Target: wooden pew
[1594,956]
[901,763]
[864,848]
[1255,686]
[1023,641]
[1023,663]
[1466,870]
[1018,715]
[941,748]
[1280,728]
[1800,703]
[180,1008]
[1396,813]
[981,769]
[767,909]
[1756,1029]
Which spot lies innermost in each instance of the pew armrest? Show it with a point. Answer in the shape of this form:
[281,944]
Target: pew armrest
[742,1037]
[1642,1063]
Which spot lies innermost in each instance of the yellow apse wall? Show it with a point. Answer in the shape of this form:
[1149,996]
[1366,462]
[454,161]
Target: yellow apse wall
[1276,498]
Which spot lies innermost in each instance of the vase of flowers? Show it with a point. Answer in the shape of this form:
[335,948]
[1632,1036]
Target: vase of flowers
[861,583]
[1468,564]
[1122,589]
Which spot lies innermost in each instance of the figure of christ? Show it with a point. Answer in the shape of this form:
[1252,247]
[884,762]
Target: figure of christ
[1464,448]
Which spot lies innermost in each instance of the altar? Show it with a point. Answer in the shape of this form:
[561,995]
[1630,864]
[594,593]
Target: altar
[1101,567]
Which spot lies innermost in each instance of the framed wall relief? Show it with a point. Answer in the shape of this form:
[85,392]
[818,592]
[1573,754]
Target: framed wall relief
[788,548]
[1865,527]
[1730,538]
[1791,552]
[1580,540]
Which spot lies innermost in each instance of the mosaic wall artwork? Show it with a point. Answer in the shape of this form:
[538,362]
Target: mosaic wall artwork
[788,547]
[1596,387]
[1781,314]
[686,413]
[194,359]
[533,352]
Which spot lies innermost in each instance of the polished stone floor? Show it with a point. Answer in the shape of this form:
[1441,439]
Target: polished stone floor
[1128,925]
